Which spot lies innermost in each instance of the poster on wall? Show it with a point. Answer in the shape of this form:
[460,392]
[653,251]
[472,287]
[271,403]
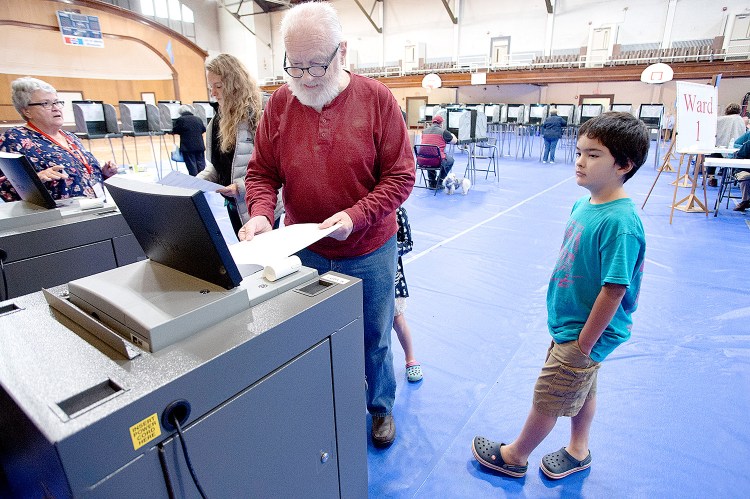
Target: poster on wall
[80,29]
[696,117]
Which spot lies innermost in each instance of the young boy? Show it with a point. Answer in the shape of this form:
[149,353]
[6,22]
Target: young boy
[591,296]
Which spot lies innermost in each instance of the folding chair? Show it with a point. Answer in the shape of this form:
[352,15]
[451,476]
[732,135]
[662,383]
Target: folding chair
[483,150]
[429,160]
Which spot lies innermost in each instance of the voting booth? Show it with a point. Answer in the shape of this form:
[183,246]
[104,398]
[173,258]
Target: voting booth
[141,119]
[566,112]
[492,112]
[622,108]
[589,111]
[651,115]
[466,124]
[537,113]
[204,110]
[516,113]
[168,113]
[97,120]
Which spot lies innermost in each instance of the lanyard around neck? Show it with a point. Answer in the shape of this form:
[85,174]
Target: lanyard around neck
[72,148]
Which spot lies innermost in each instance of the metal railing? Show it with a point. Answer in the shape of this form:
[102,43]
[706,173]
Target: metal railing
[529,60]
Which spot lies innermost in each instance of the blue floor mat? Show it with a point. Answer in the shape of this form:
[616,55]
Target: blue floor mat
[673,401]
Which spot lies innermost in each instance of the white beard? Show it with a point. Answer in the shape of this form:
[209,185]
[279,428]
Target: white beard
[324,93]
[317,97]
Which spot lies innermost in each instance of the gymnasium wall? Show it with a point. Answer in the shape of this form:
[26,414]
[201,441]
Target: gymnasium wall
[134,59]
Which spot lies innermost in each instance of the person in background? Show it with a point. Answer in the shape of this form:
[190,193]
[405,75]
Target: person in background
[405,244]
[190,128]
[343,170]
[743,176]
[551,132]
[436,135]
[59,158]
[591,297]
[668,127]
[230,135]
[728,128]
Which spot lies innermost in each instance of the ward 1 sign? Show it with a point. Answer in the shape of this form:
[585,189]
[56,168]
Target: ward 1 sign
[696,116]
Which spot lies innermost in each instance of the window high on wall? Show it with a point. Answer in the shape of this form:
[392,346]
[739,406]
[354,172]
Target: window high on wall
[171,13]
[187,14]
[161,9]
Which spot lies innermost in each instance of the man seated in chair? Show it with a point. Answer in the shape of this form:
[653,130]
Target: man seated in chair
[743,176]
[436,135]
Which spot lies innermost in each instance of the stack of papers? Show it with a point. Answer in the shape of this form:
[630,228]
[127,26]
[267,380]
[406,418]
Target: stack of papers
[270,247]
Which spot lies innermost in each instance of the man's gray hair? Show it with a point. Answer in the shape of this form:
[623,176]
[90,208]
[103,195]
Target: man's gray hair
[22,88]
[318,16]
[185,109]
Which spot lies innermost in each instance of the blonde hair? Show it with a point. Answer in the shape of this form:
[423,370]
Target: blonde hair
[241,98]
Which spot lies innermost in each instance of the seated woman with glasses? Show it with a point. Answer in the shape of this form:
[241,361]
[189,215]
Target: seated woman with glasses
[62,163]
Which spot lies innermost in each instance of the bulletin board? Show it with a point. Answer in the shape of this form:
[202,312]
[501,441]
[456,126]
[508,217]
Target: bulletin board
[79,29]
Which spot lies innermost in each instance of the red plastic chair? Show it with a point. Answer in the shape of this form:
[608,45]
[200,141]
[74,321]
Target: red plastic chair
[429,160]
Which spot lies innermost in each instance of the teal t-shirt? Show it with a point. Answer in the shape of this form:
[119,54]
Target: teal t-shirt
[603,243]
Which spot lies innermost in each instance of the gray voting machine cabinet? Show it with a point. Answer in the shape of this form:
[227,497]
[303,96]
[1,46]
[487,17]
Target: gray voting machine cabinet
[46,242]
[264,401]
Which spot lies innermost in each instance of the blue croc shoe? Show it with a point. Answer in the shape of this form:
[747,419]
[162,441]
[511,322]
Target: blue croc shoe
[560,464]
[487,453]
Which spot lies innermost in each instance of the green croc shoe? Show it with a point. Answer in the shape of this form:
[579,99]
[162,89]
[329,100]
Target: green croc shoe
[413,372]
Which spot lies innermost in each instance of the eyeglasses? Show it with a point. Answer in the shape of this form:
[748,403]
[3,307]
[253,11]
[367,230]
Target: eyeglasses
[48,104]
[316,71]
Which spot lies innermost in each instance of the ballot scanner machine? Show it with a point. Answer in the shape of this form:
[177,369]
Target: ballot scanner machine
[46,242]
[269,400]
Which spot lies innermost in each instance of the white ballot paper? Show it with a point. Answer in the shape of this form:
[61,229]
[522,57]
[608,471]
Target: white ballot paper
[179,179]
[269,247]
[215,200]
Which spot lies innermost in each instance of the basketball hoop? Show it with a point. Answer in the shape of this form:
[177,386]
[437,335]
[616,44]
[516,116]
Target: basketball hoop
[657,73]
[431,81]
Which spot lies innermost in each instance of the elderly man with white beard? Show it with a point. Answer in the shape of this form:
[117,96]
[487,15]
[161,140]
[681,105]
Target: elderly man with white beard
[337,144]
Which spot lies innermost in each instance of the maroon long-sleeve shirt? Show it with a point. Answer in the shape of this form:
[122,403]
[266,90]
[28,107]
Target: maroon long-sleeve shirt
[354,156]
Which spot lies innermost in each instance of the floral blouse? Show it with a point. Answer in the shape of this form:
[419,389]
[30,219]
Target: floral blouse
[42,153]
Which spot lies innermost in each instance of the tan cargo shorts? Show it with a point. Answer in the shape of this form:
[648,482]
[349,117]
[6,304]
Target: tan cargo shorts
[567,380]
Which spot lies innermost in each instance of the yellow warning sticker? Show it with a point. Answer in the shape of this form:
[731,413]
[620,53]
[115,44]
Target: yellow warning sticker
[145,431]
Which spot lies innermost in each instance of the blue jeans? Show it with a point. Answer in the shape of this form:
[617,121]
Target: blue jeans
[549,149]
[446,165]
[378,272]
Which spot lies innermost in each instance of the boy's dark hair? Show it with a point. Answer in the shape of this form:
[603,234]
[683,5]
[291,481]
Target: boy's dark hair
[623,134]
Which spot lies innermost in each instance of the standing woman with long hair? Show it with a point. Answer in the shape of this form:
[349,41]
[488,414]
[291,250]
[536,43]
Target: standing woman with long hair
[230,135]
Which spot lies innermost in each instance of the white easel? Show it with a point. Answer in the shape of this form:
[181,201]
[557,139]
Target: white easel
[696,123]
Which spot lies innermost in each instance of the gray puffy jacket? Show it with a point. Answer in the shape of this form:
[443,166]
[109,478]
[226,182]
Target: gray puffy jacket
[243,150]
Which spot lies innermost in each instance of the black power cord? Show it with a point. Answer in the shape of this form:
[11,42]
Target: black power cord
[165,470]
[176,424]
[3,256]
